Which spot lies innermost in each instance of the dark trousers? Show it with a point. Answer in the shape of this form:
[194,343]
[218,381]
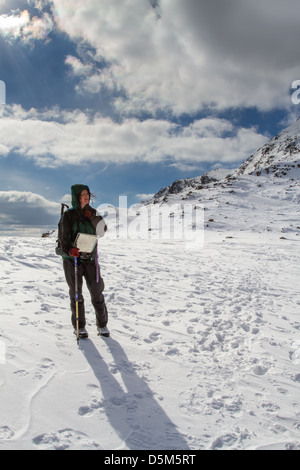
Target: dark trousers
[87,270]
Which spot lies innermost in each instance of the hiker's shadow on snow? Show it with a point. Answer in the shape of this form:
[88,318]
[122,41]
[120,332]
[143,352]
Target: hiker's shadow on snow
[129,403]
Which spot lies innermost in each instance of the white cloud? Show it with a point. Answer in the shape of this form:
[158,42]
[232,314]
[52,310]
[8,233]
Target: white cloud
[186,55]
[54,138]
[66,199]
[144,197]
[175,55]
[11,25]
[77,66]
[19,25]
[20,209]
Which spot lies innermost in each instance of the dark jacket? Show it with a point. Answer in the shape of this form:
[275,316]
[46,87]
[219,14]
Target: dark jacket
[74,221]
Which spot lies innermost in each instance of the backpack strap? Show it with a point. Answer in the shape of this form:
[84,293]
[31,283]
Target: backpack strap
[58,248]
[63,209]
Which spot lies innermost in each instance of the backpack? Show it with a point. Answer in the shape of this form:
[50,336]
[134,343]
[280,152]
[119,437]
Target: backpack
[58,248]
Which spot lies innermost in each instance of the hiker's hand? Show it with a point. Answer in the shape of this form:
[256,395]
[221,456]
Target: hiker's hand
[87,211]
[74,252]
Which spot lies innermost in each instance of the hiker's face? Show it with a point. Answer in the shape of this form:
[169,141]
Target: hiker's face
[84,198]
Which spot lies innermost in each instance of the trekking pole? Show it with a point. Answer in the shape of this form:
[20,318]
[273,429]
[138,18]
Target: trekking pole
[97,264]
[76,300]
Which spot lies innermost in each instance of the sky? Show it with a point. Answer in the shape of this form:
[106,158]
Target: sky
[128,96]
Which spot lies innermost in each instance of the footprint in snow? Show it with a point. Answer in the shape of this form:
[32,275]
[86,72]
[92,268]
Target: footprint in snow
[173,352]
[45,365]
[6,432]
[153,337]
[295,354]
[64,439]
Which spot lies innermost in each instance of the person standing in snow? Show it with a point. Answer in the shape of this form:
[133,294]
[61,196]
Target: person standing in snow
[82,218]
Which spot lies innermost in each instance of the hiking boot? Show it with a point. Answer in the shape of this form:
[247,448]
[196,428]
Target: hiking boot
[103,331]
[82,333]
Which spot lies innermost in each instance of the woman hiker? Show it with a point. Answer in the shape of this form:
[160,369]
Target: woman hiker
[82,218]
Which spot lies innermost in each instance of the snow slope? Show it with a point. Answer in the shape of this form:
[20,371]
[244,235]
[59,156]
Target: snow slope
[204,352]
[205,344]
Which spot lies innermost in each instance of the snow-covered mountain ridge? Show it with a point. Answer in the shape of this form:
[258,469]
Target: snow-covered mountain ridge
[262,194]
[280,156]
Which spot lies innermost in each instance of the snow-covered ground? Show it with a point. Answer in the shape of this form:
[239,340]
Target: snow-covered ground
[204,351]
